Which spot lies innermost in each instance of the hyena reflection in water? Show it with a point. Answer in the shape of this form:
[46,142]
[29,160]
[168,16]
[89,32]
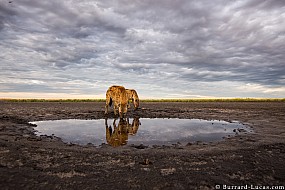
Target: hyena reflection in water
[119,135]
[133,129]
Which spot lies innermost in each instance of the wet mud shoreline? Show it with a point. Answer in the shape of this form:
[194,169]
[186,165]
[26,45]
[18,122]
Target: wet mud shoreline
[31,162]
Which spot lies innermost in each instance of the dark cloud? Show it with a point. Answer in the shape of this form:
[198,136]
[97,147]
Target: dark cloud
[6,14]
[266,5]
[163,48]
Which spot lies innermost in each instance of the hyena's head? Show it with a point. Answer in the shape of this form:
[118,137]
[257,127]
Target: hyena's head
[133,129]
[135,98]
[123,108]
[136,102]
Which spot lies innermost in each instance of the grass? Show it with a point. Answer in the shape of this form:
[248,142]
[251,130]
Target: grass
[53,100]
[218,100]
[156,100]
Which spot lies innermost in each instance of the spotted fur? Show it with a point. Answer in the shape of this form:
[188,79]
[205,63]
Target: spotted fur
[117,96]
[118,136]
[133,95]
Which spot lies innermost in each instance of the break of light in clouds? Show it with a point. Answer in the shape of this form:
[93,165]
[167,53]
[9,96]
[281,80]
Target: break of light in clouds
[162,48]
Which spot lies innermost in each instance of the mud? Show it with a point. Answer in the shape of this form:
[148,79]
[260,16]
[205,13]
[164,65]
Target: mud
[256,159]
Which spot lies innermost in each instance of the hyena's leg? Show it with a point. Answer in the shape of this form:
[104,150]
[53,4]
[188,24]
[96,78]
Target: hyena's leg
[108,132]
[114,125]
[108,98]
[115,108]
[114,122]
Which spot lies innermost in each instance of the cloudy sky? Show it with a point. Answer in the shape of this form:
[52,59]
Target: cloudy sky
[162,48]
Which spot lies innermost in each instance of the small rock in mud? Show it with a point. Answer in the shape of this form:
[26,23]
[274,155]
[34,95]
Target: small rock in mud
[167,171]
[146,162]
[141,146]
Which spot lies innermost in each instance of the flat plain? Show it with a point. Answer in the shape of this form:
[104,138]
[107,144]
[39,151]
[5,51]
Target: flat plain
[28,161]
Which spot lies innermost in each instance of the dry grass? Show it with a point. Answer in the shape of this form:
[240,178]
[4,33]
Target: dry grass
[156,100]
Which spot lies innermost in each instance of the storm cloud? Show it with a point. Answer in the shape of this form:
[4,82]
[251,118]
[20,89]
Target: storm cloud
[164,48]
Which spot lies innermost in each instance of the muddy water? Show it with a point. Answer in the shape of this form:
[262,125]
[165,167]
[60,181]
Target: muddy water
[118,132]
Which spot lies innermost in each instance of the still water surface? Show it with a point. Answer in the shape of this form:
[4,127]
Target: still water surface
[146,131]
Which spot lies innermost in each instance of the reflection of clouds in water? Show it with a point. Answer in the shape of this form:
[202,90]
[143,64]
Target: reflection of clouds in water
[150,132]
[74,131]
[171,129]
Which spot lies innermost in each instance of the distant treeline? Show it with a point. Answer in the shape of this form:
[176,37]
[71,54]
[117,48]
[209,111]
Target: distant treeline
[218,100]
[53,100]
[156,100]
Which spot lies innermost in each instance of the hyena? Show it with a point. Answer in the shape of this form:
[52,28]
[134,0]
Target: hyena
[118,136]
[117,96]
[133,95]
[134,127]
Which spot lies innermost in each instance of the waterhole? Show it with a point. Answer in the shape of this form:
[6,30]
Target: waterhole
[135,131]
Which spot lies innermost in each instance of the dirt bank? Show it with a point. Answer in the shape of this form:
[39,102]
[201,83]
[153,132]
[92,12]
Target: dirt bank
[31,162]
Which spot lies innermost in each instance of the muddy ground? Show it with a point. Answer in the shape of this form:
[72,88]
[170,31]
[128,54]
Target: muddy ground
[31,162]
